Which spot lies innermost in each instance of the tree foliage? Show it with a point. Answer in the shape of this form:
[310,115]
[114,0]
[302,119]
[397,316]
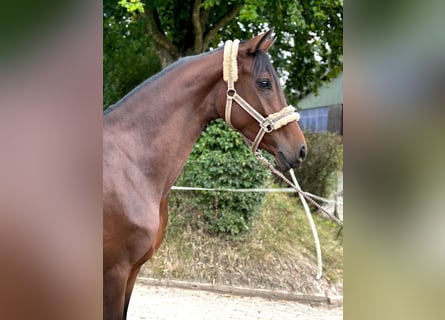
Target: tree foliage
[142,36]
[128,55]
[308,49]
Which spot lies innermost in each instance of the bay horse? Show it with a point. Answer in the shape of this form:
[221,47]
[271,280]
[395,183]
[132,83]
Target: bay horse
[149,134]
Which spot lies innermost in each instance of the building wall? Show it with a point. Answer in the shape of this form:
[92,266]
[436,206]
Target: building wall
[323,119]
[329,94]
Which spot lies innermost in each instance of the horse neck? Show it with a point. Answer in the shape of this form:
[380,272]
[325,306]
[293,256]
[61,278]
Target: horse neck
[159,123]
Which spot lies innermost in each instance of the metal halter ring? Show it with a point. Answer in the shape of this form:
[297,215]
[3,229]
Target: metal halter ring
[231,92]
[267,125]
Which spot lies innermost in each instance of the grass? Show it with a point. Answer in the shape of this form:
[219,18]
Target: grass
[278,253]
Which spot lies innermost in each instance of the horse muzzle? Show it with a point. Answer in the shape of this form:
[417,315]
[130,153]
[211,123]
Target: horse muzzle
[286,161]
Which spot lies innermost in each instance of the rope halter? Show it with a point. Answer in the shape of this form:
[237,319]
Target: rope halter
[267,124]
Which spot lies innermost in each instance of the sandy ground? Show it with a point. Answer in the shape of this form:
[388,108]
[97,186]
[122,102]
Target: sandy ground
[162,303]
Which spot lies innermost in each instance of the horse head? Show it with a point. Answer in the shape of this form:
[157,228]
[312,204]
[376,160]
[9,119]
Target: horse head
[256,105]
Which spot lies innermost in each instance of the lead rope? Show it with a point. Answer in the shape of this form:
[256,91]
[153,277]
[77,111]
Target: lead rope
[303,197]
[312,224]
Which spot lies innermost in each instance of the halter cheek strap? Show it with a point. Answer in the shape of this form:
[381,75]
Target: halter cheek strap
[267,124]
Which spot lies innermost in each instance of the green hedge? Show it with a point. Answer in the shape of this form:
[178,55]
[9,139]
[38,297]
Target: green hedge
[318,173]
[221,159]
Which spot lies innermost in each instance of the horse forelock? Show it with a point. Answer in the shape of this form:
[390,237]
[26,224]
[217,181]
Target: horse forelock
[261,63]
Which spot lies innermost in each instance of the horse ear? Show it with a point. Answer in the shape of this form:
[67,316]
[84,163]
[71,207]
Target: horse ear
[261,42]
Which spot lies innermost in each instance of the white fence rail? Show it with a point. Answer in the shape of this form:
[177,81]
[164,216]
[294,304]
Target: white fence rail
[287,190]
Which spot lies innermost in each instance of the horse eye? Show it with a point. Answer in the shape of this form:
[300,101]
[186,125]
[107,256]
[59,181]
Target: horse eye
[264,84]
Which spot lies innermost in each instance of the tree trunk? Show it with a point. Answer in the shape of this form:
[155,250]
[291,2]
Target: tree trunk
[165,56]
[168,52]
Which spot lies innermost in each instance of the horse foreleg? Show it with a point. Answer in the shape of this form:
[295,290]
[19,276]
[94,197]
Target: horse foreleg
[163,219]
[129,288]
[115,281]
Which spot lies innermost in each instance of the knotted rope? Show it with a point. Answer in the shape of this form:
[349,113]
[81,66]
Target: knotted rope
[303,196]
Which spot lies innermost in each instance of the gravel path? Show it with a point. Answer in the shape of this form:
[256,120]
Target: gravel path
[166,303]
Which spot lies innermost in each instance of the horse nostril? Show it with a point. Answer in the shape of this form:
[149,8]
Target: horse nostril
[302,153]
